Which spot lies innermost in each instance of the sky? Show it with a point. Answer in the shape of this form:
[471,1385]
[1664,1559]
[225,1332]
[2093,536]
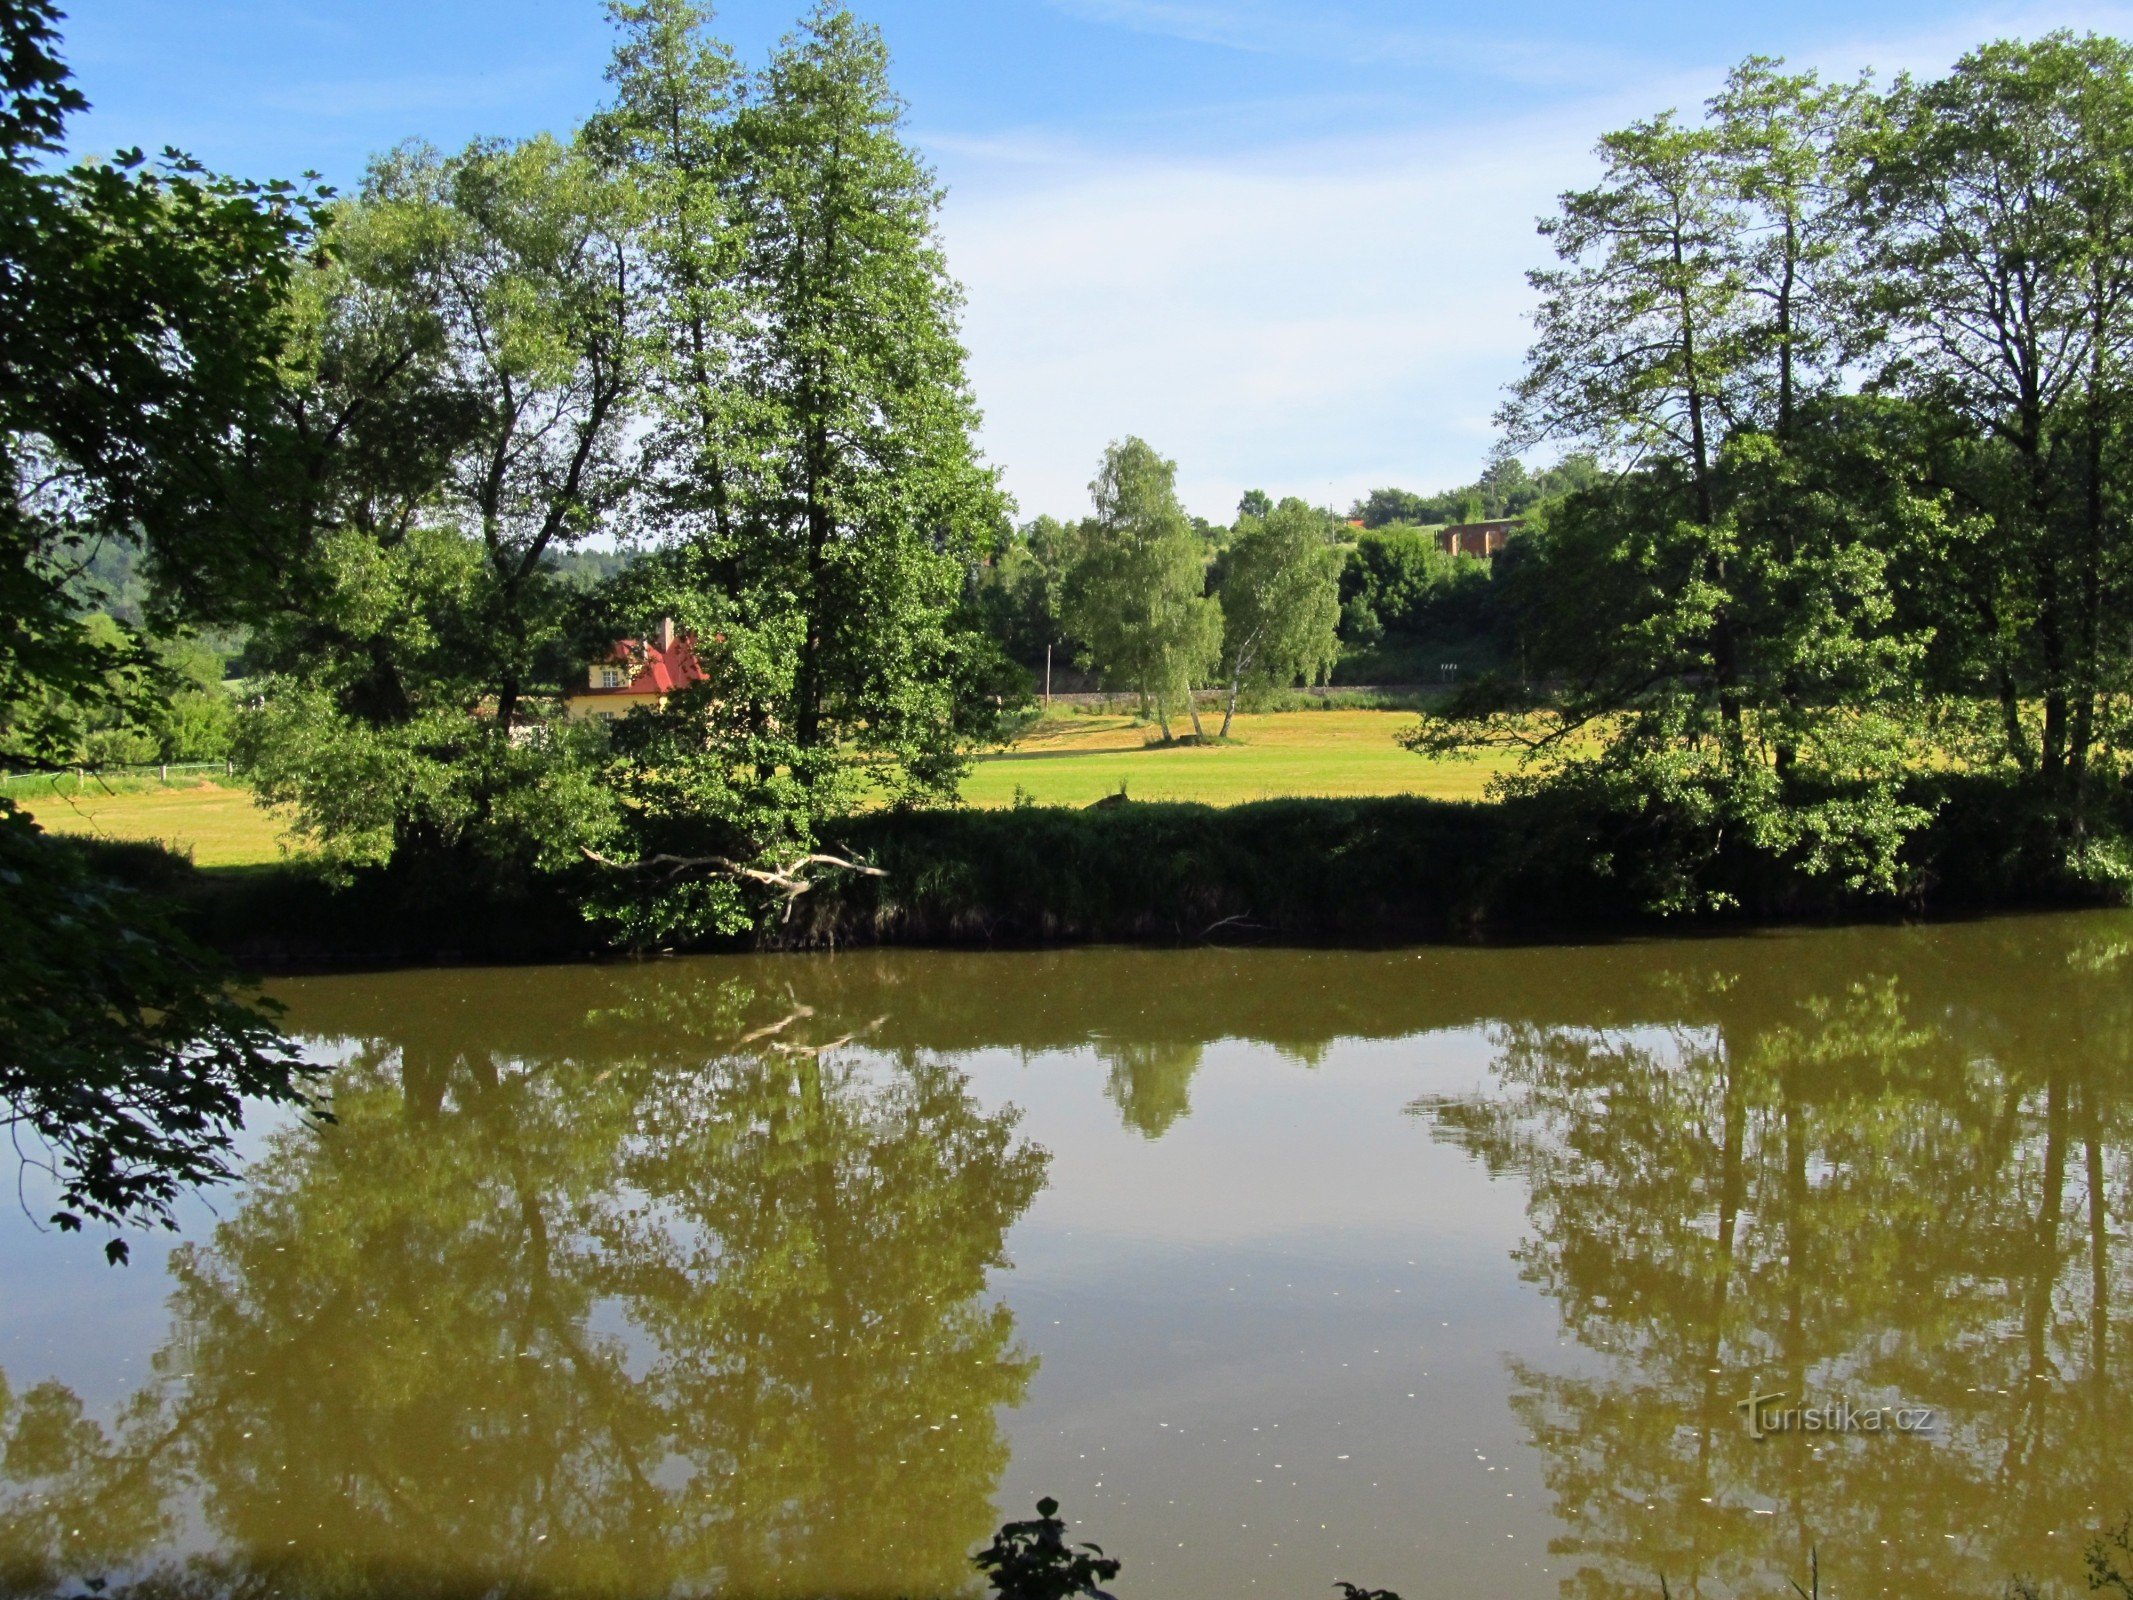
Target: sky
[1283,241]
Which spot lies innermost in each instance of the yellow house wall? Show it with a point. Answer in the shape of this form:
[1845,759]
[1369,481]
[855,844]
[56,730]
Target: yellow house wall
[579,706]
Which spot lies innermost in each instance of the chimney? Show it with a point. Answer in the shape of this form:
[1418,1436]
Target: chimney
[666,634]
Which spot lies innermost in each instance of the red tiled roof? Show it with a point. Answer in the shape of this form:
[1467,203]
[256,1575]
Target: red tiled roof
[658,671]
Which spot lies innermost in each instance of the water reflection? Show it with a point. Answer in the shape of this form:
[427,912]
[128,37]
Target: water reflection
[629,1320]
[682,1278]
[1150,1082]
[1904,1186]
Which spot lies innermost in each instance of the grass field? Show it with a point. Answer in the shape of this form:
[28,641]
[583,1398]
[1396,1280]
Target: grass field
[1073,760]
[218,826]
[1064,761]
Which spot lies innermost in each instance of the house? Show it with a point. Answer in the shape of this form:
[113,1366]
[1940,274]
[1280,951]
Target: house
[636,673]
[1478,538]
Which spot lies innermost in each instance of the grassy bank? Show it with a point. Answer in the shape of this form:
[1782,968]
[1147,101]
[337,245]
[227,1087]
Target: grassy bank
[1072,759]
[215,824]
[1075,760]
[1383,870]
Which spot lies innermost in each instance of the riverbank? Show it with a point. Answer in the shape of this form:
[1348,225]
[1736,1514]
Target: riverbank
[1399,870]
[1071,757]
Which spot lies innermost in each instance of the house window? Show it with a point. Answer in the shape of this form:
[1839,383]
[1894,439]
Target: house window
[610,677]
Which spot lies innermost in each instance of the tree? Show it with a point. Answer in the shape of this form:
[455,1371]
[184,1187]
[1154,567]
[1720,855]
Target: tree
[1135,598]
[1787,143]
[1384,506]
[809,475]
[140,324]
[422,624]
[1398,579]
[872,489]
[1999,202]
[1255,503]
[1640,341]
[1017,588]
[1279,586]
[1721,620]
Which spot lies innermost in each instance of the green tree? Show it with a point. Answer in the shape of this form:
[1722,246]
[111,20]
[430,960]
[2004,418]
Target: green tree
[1999,203]
[810,470]
[1397,578]
[1279,585]
[872,489]
[1135,598]
[1788,143]
[1018,586]
[422,623]
[139,330]
[1732,671]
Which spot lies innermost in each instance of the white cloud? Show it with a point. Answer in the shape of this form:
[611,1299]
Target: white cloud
[1321,33]
[1317,320]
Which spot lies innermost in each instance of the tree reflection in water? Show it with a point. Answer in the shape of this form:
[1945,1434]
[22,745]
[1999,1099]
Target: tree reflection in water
[647,1314]
[1901,1190]
[617,1281]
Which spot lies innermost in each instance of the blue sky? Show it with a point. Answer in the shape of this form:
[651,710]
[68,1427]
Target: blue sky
[1282,241]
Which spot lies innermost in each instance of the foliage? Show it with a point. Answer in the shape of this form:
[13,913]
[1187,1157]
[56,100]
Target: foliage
[1135,598]
[1279,588]
[167,703]
[127,1058]
[400,653]
[1998,206]
[1397,578]
[1032,1560]
[1508,488]
[808,474]
[139,319]
[1018,591]
[1722,626]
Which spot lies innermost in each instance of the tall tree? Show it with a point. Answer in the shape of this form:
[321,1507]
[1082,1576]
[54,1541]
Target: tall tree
[810,479]
[1786,146]
[1279,585]
[2000,203]
[872,490]
[1640,346]
[1720,621]
[407,652]
[140,327]
[669,135]
[1136,597]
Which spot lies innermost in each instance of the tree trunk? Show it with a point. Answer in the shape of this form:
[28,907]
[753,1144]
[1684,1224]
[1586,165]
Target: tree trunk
[1229,707]
[2099,1244]
[2088,622]
[1725,648]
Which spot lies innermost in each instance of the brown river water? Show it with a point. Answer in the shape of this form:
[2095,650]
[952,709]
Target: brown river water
[1444,1271]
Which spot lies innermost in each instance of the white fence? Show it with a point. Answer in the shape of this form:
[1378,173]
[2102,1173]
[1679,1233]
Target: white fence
[161,771]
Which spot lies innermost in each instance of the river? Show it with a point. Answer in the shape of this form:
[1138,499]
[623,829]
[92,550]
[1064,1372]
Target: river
[1443,1270]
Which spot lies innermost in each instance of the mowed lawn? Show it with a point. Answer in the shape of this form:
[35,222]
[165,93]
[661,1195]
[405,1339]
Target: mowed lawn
[1074,760]
[1065,761]
[219,827]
